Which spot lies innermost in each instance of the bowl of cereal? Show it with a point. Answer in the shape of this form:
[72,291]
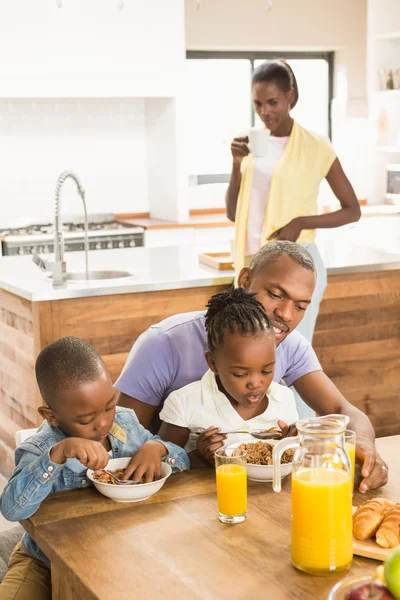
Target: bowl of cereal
[259,459]
[128,492]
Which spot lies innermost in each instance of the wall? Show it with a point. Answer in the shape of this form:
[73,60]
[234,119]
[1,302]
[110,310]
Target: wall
[291,24]
[104,141]
[74,92]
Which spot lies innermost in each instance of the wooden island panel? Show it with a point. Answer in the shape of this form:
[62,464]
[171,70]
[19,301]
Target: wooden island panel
[357,340]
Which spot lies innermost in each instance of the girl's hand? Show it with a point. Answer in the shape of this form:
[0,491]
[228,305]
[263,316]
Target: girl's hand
[288,430]
[91,454]
[146,462]
[239,149]
[209,442]
[289,232]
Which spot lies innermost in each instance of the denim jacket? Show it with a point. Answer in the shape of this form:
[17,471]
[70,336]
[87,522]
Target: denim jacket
[35,476]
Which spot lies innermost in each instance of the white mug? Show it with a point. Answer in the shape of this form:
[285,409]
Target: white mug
[258,141]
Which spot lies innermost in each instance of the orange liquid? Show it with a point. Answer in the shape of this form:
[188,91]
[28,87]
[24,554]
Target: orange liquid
[232,489]
[321,521]
[351,451]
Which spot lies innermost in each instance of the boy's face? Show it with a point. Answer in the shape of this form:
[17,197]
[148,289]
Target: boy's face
[86,411]
[245,366]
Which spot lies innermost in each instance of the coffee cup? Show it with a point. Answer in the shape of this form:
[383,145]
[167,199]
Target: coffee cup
[258,141]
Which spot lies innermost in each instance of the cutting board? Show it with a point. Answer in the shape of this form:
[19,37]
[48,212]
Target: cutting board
[369,548]
[218,260]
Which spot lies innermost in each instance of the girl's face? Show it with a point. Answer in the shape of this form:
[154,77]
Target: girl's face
[245,366]
[271,104]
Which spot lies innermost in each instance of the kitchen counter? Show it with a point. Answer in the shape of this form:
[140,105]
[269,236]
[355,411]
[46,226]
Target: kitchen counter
[357,336]
[156,269]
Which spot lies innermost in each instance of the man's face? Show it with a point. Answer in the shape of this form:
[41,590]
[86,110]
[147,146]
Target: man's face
[285,290]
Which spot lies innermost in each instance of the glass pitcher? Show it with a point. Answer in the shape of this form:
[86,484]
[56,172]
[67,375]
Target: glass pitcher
[321,495]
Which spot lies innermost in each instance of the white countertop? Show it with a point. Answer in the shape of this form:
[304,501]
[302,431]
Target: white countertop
[154,269]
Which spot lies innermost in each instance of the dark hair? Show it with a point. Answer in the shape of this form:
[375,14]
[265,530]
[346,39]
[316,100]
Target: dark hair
[270,253]
[236,311]
[65,364]
[279,72]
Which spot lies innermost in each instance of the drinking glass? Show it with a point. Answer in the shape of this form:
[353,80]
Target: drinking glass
[350,447]
[231,477]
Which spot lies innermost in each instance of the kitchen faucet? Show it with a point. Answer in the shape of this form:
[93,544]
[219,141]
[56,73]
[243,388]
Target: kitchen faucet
[58,267]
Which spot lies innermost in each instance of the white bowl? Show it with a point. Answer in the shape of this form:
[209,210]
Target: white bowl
[261,473]
[129,493]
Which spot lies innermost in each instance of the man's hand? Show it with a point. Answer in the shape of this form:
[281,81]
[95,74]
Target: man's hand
[146,462]
[374,470]
[91,454]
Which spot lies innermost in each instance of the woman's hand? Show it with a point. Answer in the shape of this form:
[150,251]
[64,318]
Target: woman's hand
[289,232]
[146,462]
[209,442]
[239,149]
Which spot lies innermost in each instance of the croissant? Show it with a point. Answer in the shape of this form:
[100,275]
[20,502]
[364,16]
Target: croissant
[388,534]
[369,516]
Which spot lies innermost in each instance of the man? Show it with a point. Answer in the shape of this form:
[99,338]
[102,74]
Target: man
[170,354]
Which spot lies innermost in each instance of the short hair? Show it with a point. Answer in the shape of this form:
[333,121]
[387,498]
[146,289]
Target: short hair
[271,252]
[236,311]
[277,71]
[65,364]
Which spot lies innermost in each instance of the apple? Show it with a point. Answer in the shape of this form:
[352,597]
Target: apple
[392,572]
[370,590]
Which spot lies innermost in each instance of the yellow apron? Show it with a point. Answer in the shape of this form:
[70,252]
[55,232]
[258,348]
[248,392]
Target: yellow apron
[294,188]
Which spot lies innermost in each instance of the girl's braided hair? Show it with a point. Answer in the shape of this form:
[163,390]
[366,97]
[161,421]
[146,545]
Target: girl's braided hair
[236,311]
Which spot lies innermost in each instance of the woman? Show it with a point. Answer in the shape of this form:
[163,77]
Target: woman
[275,197]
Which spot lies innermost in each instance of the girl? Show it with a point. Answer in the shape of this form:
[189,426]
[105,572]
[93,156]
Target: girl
[237,392]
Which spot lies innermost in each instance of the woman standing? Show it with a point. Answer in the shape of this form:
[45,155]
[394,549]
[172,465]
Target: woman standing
[275,197]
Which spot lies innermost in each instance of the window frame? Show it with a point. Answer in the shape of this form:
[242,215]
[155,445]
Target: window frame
[329,56]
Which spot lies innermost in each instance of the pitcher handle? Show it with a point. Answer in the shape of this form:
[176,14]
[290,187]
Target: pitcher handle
[279,449]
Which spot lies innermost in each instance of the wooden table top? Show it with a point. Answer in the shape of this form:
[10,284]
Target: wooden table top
[173,544]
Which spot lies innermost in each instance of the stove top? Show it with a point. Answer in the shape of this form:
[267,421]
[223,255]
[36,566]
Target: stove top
[48,228]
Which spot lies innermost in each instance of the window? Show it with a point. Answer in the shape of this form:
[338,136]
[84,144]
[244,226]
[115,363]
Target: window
[218,105]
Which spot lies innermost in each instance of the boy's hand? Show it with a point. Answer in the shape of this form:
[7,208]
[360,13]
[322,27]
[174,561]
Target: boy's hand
[146,462]
[91,454]
[209,442]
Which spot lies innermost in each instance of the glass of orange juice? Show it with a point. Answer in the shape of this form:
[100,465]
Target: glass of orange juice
[350,447]
[231,486]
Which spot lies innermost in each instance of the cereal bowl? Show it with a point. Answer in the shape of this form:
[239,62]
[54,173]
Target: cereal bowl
[129,493]
[261,473]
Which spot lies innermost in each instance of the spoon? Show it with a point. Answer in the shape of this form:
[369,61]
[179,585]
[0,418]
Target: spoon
[120,481]
[259,434]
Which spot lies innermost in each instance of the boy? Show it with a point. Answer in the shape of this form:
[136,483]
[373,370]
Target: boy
[82,428]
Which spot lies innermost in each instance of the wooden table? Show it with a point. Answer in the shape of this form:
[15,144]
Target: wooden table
[173,546]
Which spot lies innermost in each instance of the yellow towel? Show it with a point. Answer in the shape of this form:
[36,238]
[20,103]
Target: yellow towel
[294,188]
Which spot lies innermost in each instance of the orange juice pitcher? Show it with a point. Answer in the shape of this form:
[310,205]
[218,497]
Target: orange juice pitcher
[321,495]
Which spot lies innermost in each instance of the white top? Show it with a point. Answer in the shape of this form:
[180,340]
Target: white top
[201,404]
[263,170]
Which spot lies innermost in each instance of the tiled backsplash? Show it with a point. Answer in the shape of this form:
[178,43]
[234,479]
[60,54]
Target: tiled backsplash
[103,140]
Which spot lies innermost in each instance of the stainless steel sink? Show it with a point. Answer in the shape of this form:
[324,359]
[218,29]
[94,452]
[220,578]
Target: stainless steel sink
[95,275]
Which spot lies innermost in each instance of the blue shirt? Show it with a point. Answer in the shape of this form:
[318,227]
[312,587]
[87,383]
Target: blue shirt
[35,476]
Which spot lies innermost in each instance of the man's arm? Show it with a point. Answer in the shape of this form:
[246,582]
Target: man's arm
[144,412]
[321,394]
